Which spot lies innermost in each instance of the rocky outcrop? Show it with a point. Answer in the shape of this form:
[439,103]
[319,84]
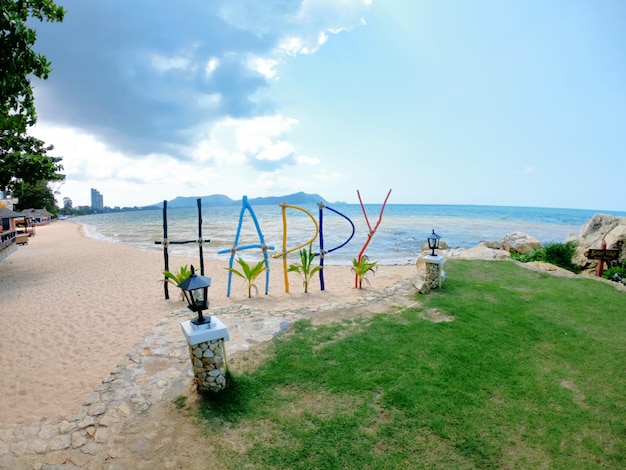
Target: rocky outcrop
[520,242]
[484,251]
[514,242]
[600,227]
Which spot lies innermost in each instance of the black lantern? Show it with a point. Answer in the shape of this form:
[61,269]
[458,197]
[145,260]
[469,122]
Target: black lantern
[433,242]
[196,289]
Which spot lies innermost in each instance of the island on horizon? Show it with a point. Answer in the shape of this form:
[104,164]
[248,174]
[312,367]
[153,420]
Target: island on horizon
[182,202]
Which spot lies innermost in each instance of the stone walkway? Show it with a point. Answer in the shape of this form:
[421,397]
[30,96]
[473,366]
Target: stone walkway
[156,370]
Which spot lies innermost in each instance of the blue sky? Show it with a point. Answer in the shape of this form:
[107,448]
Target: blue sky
[444,102]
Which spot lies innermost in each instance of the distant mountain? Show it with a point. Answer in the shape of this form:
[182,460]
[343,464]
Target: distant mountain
[213,200]
[296,198]
[221,200]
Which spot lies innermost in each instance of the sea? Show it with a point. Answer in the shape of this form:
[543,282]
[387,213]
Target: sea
[395,235]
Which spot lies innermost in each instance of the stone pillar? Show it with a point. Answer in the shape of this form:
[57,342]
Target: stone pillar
[434,269]
[207,353]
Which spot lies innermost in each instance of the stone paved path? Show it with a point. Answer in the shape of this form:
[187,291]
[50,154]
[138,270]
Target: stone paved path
[116,426]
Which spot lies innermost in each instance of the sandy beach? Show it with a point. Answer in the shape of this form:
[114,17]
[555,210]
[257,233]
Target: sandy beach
[72,307]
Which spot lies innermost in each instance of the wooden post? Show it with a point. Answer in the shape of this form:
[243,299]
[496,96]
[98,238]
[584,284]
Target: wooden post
[165,242]
[601,261]
[200,241]
[602,255]
[165,255]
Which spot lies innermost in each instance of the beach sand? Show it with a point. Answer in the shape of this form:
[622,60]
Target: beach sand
[71,307]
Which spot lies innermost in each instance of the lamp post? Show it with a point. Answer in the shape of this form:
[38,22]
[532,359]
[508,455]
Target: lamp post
[205,336]
[433,242]
[433,263]
[195,288]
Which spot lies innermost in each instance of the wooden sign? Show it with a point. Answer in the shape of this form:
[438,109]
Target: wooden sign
[602,254]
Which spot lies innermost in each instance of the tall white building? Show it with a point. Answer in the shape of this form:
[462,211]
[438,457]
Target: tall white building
[97,202]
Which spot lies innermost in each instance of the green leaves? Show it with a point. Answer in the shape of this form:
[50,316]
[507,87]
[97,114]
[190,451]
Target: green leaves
[22,157]
[559,254]
[305,267]
[361,267]
[249,273]
[19,60]
[177,277]
[36,195]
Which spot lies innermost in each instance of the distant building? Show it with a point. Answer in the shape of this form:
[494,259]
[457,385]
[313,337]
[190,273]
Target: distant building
[7,203]
[97,202]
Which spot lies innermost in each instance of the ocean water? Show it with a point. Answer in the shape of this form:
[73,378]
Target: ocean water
[398,235]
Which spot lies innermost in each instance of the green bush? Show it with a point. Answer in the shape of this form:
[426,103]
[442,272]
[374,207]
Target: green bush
[559,254]
[538,254]
[613,270]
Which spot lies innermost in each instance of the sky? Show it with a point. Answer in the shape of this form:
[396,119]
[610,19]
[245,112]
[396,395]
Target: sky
[489,102]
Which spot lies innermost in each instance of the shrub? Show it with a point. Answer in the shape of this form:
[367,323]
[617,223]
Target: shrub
[559,254]
[619,270]
[538,254]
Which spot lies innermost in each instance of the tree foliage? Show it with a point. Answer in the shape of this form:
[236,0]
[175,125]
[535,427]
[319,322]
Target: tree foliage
[36,196]
[23,158]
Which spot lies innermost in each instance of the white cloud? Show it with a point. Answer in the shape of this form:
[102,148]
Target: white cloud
[162,63]
[216,164]
[154,168]
[212,100]
[233,141]
[305,160]
[211,66]
[330,176]
[263,66]
[292,45]
[254,135]
[315,20]
[276,151]
[300,31]
[219,145]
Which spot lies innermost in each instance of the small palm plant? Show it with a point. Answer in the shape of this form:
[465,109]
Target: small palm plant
[361,267]
[249,273]
[177,277]
[305,267]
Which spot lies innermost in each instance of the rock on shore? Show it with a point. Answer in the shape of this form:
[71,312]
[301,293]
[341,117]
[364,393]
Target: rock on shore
[600,227]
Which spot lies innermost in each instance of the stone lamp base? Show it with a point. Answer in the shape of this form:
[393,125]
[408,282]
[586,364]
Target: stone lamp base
[434,271]
[207,353]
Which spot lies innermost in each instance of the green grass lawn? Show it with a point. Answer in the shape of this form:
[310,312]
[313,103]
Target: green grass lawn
[531,373]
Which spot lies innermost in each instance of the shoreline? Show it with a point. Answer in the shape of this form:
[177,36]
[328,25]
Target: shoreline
[74,306]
